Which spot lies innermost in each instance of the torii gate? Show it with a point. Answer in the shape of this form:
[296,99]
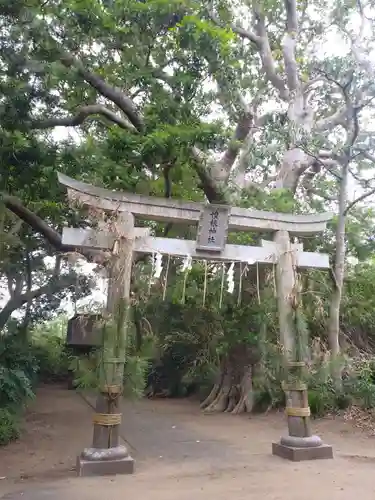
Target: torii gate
[213,221]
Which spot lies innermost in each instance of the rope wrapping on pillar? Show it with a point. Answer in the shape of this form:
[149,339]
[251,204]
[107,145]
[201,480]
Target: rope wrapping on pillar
[106,419]
[297,412]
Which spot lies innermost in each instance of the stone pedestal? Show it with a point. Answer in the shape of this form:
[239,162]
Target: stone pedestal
[298,449]
[300,444]
[106,456]
[104,467]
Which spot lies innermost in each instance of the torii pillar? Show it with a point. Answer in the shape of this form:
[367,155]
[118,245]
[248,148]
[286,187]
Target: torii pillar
[106,455]
[300,444]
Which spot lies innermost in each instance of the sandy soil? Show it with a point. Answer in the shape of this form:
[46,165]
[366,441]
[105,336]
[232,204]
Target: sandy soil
[181,453]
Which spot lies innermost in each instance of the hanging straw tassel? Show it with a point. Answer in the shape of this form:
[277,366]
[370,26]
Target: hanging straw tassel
[184,288]
[258,284]
[151,274]
[205,282]
[240,287]
[274,280]
[166,277]
[222,285]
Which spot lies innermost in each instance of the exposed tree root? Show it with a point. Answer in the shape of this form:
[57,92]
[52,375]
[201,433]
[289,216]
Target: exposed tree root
[234,393]
[240,407]
[221,401]
[246,390]
[211,397]
[232,399]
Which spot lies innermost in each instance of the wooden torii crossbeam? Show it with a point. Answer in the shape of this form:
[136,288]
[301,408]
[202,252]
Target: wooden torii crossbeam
[213,223]
[145,244]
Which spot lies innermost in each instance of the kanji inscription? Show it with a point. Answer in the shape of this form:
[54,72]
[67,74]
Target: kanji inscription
[213,228]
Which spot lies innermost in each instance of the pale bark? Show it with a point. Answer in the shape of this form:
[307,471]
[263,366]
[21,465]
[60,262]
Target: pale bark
[285,284]
[246,399]
[211,397]
[220,403]
[339,269]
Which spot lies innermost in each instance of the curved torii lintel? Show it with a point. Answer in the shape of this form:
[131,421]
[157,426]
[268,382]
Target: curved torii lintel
[169,210]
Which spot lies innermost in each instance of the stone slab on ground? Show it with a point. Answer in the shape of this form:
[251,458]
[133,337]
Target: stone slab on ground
[87,468]
[293,454]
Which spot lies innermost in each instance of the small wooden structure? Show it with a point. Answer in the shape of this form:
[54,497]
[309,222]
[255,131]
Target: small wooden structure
[213,222]
[84,331]
[83,336]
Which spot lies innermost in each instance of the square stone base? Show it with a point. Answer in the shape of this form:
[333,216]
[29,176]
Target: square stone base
[104,467]
[299,454]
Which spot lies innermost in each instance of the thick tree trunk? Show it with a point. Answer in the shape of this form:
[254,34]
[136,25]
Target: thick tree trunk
[220,403]
[246,399]
[216,388]
[233,391]
[339,269]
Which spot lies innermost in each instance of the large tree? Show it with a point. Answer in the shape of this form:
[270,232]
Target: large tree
[226,100]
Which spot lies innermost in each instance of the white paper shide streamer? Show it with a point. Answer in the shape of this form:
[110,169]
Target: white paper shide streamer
[158,265]
[230,278]
[186,264]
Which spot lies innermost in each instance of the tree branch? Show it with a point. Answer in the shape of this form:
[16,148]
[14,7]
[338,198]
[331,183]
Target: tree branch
[39,226]
[18,301]
[332,121]
[340,117]
[243,33]
[14,205]
[358,200]
[261,41]
[203,168]
[242,130]
[115,95]
[266,56]
[289,45]
[365,154]
[82,114]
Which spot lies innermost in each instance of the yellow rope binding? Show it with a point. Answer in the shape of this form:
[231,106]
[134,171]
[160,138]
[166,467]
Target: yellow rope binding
[106,419]
[111,389]
[297,412]
[294,386]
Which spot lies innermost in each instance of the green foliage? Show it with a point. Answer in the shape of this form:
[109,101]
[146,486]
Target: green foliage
[23,364]
[18,373]
[89,370]
[53,358]
[9,427]
[191,339]
[135,376]
[48,340]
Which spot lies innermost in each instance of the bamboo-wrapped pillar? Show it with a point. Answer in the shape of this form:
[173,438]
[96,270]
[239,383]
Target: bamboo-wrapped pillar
[299,444]
[107,455]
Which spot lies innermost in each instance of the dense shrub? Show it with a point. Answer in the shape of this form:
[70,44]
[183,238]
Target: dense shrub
[9,426]
[23,364]
[18,372]
[53,358]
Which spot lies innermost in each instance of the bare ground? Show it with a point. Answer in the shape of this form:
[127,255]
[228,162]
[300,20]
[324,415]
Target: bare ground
[180,453]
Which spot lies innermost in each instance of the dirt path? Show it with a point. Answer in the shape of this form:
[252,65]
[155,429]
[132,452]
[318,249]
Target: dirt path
[181,453]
